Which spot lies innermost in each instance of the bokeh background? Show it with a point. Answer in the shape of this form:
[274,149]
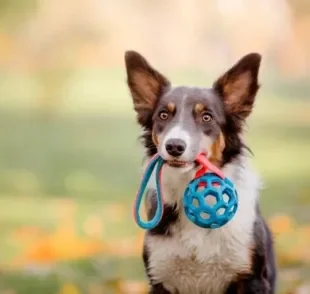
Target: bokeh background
[69,149]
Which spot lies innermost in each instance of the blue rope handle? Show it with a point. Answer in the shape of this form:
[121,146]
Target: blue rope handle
[145,179]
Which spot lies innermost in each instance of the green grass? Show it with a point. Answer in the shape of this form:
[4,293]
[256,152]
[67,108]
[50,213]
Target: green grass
[93,159]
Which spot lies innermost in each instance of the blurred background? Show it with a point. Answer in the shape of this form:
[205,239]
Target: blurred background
[69,149]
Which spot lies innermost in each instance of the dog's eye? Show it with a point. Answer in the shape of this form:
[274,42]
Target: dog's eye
[163,115]
[206,117]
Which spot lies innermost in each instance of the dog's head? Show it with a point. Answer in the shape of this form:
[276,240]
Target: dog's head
[181,122]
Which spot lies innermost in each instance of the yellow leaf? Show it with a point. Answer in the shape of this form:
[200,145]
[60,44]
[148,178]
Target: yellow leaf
[114,284]
[69,289]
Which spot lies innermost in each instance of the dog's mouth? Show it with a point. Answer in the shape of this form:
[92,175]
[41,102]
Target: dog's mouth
[179,163]
[182,164]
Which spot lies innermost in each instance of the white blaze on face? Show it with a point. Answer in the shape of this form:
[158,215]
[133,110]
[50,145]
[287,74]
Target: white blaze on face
[177,132]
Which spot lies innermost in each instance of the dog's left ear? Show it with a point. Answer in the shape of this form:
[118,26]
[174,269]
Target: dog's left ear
[239,85]
[146,85]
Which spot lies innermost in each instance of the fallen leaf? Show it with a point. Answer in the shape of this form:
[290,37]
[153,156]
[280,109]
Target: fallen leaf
[69,289]
[281,224]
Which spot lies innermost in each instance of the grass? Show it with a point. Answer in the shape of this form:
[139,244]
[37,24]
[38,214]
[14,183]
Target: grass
[93,160]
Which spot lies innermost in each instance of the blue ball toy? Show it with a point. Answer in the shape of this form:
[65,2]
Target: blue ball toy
[210,199]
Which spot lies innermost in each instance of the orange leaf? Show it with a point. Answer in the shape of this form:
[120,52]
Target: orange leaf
[281,224]
[134,287]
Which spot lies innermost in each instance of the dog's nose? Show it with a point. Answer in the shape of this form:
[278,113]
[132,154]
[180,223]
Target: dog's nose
[175,147]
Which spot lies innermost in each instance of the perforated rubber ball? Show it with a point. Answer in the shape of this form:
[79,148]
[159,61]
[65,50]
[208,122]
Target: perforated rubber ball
[210,201]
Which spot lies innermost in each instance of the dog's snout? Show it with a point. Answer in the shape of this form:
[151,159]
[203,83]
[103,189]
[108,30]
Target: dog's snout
[175,147]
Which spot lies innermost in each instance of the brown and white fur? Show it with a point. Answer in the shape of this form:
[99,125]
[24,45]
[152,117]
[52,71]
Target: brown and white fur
[179,123]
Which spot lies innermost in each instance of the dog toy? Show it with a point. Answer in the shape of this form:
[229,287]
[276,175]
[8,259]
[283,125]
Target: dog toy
[156,159]
[210,199]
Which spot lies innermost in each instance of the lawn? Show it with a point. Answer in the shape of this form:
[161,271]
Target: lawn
[67,183]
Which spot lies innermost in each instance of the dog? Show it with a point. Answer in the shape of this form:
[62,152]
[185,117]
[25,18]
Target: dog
[180,122]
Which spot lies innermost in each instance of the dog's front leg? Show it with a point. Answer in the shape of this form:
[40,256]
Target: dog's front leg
[158,289]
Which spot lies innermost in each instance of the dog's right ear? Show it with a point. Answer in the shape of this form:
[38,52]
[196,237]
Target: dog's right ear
[145,84]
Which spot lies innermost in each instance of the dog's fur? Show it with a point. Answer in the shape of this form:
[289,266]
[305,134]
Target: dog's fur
[180,257]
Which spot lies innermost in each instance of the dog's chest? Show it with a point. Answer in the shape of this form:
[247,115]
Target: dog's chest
[197,261]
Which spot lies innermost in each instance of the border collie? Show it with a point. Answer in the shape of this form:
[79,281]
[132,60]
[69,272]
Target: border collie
[180,122]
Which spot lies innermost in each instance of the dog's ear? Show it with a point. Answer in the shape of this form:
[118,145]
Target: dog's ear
[239,85]
[145,84]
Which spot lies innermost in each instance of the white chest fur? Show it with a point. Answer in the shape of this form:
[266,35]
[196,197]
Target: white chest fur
[201,261]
